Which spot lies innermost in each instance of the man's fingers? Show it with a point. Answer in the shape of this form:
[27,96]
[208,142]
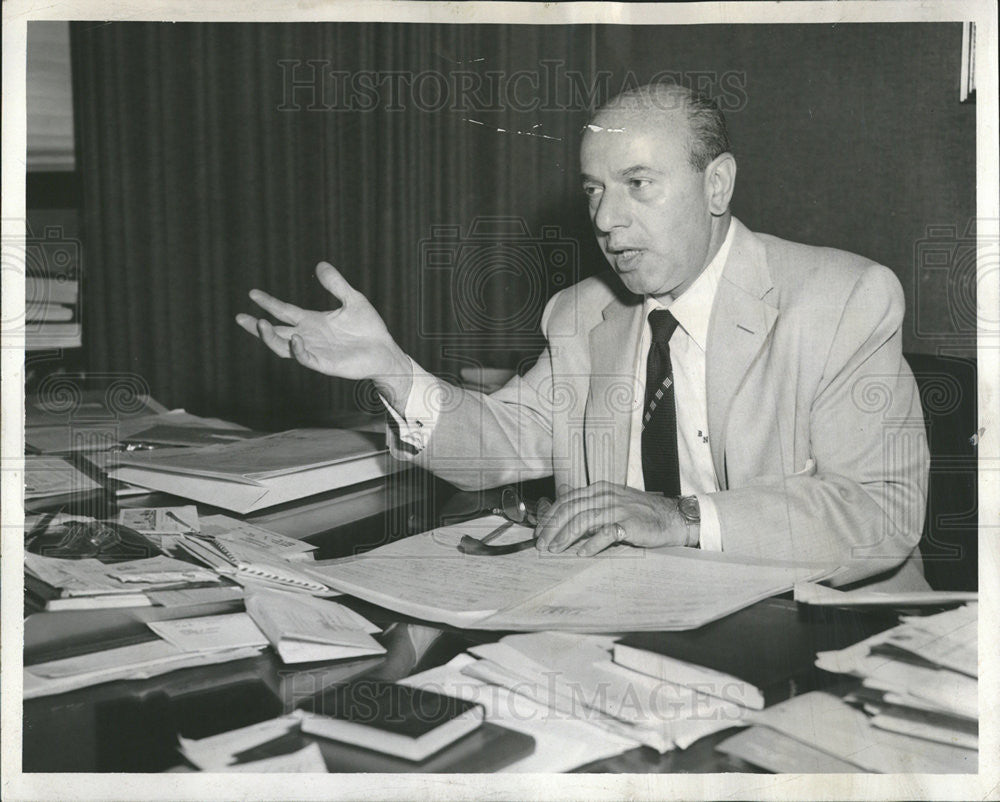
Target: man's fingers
[248,323]
[277,344]
[598,541]
[333,281]
[584,522]
[564,509]
[301,354]
[285,312]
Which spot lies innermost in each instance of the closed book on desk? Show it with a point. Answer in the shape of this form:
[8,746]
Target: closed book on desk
[486,749]
[398,720]
[261,472]
[754,657]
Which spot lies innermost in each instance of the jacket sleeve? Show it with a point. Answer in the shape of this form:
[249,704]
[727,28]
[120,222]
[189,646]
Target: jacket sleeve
[863,499]
[482,441]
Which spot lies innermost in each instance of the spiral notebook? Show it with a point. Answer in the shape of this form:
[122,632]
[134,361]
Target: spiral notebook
[246,564]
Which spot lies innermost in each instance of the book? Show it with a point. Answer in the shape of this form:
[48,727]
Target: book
[486,749]
[755,657]
[51,290]
[49,312]
[254,474]
[398,720]
[53,335]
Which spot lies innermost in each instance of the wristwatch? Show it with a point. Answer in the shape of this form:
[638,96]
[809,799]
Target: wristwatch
[690,511]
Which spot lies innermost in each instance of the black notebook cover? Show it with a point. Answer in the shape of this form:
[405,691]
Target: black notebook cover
[769,645]
[398,709]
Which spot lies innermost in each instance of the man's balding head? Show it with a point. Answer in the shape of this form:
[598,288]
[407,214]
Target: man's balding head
[658,175]
[673,104]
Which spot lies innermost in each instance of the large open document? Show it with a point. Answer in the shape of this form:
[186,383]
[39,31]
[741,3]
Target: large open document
[622,589]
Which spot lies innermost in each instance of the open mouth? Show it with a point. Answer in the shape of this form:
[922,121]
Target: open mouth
[625,258]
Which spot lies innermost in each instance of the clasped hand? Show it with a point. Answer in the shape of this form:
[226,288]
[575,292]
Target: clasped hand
[585,520]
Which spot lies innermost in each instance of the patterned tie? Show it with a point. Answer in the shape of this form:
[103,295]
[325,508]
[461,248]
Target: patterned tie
[660,471]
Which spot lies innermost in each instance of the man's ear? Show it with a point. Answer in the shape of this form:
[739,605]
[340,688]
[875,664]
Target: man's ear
[720,181]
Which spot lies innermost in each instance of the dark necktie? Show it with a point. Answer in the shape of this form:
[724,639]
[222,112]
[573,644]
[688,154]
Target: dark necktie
[660,471]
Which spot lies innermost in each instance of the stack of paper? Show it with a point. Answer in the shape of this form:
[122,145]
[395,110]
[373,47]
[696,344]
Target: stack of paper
[916,709]
[575,676]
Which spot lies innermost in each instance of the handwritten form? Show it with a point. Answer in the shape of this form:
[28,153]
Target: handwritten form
[623,588]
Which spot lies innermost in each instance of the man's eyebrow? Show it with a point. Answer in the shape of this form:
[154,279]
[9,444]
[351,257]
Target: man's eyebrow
[639,168]
[588,177]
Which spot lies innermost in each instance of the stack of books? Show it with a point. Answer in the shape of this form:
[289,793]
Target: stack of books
[914,710]
[51,311]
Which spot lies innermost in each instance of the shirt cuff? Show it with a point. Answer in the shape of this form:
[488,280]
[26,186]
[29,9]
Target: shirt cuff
[709,530]
[420,413]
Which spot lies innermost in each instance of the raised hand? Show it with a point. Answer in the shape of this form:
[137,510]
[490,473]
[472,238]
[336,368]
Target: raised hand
[351,342]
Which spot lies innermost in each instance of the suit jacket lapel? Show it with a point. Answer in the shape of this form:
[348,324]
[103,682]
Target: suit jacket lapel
[612,390]
[740,324]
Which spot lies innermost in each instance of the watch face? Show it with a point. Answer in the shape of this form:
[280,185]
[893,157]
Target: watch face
[689,508]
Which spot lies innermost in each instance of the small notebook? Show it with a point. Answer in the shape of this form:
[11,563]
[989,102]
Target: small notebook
[262,568]
[394,719]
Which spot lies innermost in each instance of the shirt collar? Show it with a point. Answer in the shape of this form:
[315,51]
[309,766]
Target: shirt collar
[693,308]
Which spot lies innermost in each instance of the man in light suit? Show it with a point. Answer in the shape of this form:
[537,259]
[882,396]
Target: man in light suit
[720,389]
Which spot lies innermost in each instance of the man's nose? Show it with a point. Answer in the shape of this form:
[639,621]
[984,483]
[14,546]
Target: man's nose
[612,212]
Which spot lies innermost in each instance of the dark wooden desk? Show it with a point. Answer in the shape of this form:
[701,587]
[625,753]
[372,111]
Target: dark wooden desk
[133,725]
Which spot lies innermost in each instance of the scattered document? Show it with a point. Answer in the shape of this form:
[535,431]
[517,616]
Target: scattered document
[161,520]
[781,754]
[825,722]
[681,588]
[305,629]
[52,476]
[943,688]
[308,760]
[216,751]
[931,727]
[139,661]
[186,597]
[159,570]
[812,593]
[233,530]
[210,633]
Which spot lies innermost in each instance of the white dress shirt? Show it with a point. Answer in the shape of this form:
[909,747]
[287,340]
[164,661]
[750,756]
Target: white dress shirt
[692,311]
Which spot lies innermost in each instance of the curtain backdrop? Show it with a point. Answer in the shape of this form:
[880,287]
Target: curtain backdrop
[206,172]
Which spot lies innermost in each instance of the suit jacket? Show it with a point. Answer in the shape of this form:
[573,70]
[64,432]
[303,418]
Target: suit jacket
[816,429]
